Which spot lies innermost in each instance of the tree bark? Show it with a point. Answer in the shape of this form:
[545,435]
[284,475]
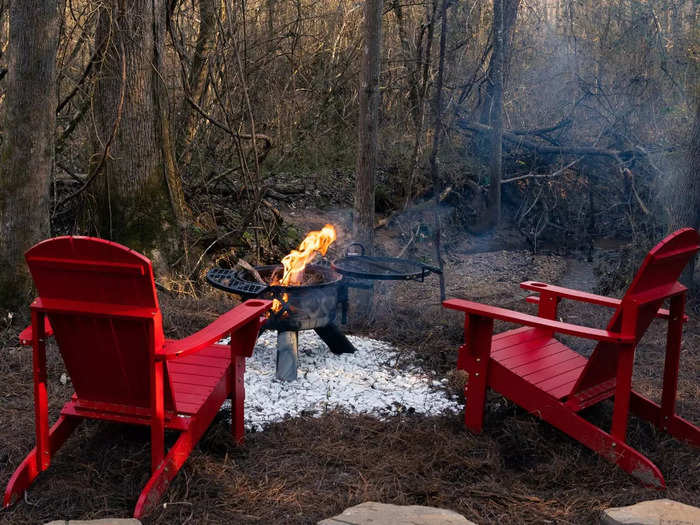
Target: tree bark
[684,205]
[493,210]
[29,126]
[133,197]
[437,135]
[369,97]
[209,11]
[509,9]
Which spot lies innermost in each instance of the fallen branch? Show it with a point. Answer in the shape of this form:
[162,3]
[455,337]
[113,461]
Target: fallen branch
[543,175]
[548,150]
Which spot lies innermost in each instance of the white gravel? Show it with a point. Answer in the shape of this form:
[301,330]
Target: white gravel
[366,382]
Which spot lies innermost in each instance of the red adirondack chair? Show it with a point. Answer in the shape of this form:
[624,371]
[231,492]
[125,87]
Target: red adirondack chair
[542,375]
[99,301]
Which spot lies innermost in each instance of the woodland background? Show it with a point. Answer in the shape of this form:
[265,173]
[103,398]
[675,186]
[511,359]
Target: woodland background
[181,127]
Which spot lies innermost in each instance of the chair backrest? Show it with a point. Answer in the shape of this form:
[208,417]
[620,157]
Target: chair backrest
[655,281]
[108,357]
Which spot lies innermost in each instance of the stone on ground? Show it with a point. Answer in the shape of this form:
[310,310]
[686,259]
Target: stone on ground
[104,521]
[372,513]
[653,512]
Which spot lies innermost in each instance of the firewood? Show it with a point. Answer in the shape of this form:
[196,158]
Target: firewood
[245,264]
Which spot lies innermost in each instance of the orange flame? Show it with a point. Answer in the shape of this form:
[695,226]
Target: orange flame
[295,262]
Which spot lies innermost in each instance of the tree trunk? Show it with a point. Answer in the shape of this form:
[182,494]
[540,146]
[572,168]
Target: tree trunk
[493,210]
[209,12]
[509,10]
[132,195]
[26,157]
[684,205]
[437,135]
[411,61]
[363,223]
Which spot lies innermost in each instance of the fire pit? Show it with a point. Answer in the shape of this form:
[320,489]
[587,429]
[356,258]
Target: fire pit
[306,296]
[310,305]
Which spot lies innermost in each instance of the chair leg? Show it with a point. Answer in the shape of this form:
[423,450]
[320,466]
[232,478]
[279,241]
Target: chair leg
[560,416]
[673,353]
[623,389]
[237,398]
[475,354]
[610,447]
[675,425]
[157,415]
[161,477]
[180,451]
[30,468]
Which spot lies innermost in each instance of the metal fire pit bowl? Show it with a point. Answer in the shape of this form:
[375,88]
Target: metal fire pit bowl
[304,306]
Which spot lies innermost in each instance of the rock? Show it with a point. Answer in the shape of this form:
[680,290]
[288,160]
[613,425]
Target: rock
[653,512]
[104,521]
[374,513]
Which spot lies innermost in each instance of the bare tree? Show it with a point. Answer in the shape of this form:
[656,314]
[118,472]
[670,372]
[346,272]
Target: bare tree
[363,223]
[684,207]
[28,141]
[493,210]
[196,81]
[437,135]
[137,194]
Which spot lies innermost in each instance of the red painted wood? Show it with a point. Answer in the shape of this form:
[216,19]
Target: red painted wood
[655,281]
[237,398]
[568,293]
[231,321]
[104,313]
[563,390]
[172,421]
[535,338]
[590,397]
[29,469]
[26,336]
[562,366]
[478,349]
[530,351]
[552,381]
[41,400]
[550,409]
[512,316]
[672,362]
[82,265]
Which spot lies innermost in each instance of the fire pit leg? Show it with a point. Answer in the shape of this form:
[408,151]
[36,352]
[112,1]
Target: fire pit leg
[335,339]
[287,355]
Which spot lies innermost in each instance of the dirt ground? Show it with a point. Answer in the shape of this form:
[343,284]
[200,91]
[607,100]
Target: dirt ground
[519,470]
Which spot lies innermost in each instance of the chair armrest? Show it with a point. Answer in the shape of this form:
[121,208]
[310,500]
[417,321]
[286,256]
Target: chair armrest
[26,337]
[228,323]
[538,322]
[576,295]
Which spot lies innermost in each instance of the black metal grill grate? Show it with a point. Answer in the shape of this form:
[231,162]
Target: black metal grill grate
[382,268]
[225,279]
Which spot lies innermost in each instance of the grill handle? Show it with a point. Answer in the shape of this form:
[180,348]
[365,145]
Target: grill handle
[427,269]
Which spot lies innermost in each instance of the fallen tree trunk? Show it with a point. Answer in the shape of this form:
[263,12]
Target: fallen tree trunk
[543,149]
